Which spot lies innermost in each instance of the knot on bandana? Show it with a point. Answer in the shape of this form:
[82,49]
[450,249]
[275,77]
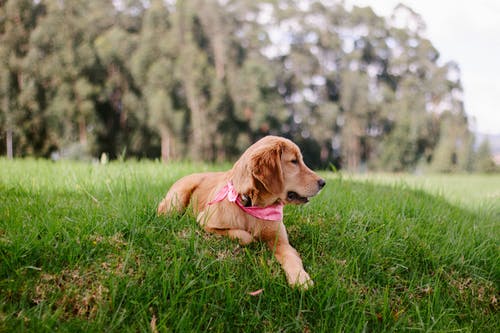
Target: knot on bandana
[269,213]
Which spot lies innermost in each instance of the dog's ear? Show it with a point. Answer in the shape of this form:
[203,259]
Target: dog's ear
[242,178]
[266,168]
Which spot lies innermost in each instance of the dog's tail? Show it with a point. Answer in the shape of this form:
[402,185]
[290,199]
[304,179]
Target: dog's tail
[179,195]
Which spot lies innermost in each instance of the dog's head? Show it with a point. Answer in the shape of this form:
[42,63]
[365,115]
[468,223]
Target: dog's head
[272,169]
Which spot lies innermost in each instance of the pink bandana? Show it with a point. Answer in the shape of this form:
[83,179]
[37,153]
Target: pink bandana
[269,213]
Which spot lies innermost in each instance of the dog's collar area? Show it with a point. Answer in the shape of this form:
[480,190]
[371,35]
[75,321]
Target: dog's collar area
[269,213]
[246,201]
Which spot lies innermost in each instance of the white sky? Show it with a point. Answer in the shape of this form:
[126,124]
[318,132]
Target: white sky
[467,32]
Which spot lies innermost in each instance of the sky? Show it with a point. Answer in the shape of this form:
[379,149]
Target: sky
[467,32]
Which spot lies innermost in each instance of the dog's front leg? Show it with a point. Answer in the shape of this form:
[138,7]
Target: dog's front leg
[290,260]
[243,236]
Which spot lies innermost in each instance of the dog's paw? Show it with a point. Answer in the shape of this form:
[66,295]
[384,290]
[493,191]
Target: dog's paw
[302,281]
[243,237]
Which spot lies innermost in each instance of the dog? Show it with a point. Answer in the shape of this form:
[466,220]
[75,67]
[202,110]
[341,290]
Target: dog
[246,202]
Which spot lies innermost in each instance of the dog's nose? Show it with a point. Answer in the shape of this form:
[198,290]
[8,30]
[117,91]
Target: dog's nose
[321,183]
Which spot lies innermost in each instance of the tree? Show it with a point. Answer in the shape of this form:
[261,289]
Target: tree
[194,73]
[484,161]
[153,69]
[61,59]
[203,79]
[120,128]
[18,21]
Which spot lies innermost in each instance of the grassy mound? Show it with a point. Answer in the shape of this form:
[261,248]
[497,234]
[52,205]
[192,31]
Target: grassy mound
[81,249]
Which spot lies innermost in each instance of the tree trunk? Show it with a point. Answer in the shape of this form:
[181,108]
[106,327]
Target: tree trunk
[82,131]
[219,55]
[198,122]
[352,152]
[10,150]
[324,153]
[9,134]
[165,144]
[214,25]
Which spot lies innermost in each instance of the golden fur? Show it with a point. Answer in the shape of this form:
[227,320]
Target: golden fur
[269,172]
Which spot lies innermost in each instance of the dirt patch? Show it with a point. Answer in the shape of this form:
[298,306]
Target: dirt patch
[82,291]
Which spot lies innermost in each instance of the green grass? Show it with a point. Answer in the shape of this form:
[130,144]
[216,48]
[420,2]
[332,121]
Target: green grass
[474,191]
[81,249]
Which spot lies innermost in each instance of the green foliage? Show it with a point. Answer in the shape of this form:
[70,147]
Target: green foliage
[484,161]
[81,249]
[200,80]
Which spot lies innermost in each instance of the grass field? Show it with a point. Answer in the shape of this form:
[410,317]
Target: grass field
[472,191]
[81,249]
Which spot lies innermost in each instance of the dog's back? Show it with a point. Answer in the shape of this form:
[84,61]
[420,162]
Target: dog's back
[195,187]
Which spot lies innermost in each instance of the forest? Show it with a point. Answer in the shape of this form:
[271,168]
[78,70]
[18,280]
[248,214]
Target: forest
[201,80]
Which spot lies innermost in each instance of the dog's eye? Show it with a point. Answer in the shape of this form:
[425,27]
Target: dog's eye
[294,161]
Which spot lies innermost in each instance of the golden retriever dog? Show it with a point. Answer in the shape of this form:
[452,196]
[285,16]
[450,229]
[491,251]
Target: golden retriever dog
[246,202]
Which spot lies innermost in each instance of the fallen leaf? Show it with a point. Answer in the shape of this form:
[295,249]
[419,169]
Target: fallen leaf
[153,324]
[255,293]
